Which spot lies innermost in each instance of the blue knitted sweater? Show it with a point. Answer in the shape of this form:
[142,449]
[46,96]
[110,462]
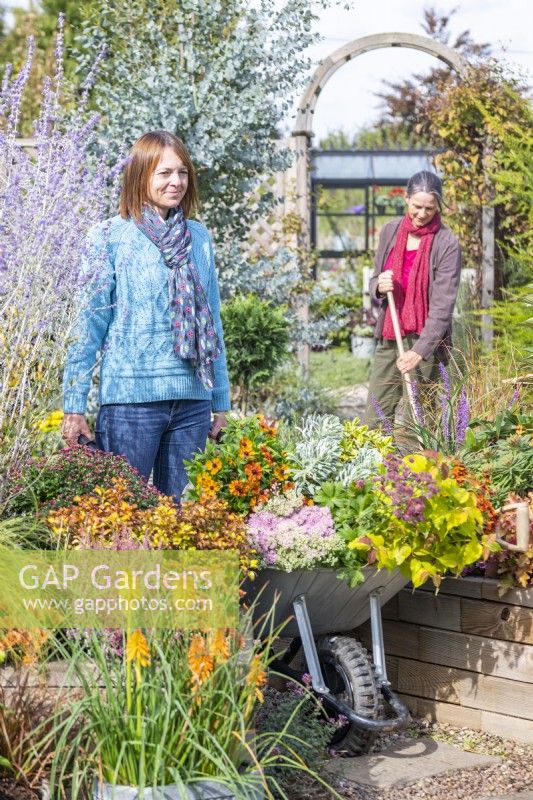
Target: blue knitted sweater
[124,317]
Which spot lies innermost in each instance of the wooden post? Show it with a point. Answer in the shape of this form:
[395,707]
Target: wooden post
[300,143]
[487,273]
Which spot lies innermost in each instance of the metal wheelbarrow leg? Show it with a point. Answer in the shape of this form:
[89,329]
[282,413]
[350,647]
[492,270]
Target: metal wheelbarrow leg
[401,713]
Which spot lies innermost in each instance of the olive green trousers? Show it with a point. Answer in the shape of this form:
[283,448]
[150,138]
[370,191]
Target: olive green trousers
[387,395]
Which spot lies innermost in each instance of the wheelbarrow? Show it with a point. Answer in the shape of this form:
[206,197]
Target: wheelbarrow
[350,682]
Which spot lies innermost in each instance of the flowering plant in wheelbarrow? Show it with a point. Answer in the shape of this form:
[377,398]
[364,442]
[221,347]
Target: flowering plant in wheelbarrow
[413,516]
[244,468]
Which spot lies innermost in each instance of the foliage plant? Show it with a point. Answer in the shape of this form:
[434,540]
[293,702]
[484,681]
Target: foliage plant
[176,708]
[256,336]
[477,122]
[244,468]
[325,449]
[107,517]
[49,199]
[289,397]
[289,534]
[23,708]
[295,710]
[413,516]
[43,484]
[502,450]
[348,306]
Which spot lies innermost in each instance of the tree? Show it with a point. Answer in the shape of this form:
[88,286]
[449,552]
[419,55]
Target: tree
[221,74]
[480,124]
[384,137]
[404,103]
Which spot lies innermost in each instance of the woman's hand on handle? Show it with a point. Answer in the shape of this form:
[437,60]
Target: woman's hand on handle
[408,361]
[219,423]
[73,426]
[385,283]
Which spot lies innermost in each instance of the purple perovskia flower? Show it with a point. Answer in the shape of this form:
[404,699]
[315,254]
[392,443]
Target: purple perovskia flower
[49,200]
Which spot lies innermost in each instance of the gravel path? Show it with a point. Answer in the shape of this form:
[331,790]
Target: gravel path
[513,775]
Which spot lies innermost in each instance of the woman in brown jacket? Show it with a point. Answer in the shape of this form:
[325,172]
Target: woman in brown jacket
[419,260]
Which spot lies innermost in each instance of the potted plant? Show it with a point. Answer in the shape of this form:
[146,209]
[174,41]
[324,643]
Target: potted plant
[381,203]
[360,325]
[397,199]
[168,715]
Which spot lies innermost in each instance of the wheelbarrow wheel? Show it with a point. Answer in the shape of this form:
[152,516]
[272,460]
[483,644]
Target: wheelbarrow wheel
[350,675]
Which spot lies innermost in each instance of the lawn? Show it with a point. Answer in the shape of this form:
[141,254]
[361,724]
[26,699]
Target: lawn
[336,368]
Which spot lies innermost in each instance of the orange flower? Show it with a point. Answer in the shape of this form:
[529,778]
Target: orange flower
[207,486]
[213,466]
[270,430]
[266,454]
[200,661]
[282,472]
[237,488]
[255,679]
[137,649]
[219,646]
[246,448]
[254,471]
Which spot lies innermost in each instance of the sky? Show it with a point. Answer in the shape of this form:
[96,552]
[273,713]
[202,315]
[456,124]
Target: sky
[348,100]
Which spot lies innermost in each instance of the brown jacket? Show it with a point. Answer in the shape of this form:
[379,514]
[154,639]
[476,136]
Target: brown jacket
[444,274]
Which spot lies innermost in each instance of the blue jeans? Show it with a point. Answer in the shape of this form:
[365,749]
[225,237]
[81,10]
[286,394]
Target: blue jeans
[156,436]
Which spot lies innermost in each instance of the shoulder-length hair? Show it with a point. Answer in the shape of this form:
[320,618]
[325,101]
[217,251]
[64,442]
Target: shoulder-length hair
[143,159]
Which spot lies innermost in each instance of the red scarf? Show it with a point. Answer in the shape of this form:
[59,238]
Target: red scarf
[412,306]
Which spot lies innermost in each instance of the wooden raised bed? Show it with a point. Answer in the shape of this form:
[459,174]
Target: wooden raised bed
[464,656]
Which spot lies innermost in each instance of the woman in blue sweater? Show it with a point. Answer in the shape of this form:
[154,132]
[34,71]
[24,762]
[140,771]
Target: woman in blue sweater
[152,312]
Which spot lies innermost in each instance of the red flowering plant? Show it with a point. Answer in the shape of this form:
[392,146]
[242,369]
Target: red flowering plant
[48,483]
[244,469]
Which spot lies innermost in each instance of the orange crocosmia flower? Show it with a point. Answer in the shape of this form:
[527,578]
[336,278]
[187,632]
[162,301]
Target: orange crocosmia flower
[137,649]
[256,677]
[254,471]
[200,661]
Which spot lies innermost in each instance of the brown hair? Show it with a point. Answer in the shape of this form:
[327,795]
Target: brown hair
[143,159]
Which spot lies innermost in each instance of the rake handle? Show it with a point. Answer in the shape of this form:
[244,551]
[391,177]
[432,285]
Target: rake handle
[399,345]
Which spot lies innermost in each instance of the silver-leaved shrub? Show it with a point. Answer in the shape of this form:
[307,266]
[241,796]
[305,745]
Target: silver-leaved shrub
[224,75]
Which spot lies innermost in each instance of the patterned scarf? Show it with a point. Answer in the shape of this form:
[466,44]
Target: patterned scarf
[413,305]
[195,337]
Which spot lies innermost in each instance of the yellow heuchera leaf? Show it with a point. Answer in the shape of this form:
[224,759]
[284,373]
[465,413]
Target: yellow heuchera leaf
[355,544]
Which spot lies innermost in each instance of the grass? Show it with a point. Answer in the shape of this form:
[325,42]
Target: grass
[336,368]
